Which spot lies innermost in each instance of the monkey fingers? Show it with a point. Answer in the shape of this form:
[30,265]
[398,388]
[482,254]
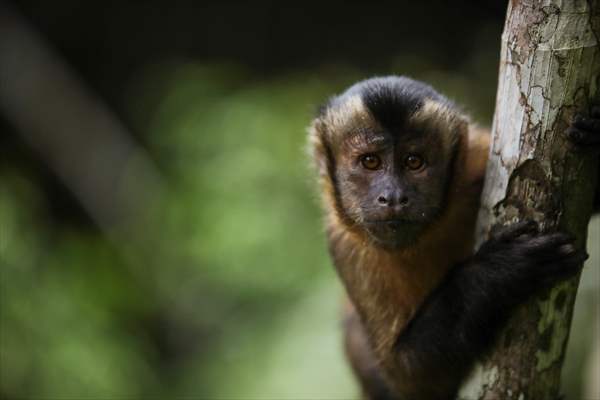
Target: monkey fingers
[540,258]
[585,131]
[510,232]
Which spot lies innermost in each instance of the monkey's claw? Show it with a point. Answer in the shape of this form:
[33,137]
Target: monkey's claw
[504,233]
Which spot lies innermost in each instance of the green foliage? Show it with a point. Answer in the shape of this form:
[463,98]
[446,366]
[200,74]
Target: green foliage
[227,292]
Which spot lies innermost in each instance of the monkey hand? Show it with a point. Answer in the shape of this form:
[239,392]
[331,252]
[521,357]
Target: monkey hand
[585,131]
[526,260]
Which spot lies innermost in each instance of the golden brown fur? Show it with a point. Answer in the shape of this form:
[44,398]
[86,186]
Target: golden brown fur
[401,171]
[386,287]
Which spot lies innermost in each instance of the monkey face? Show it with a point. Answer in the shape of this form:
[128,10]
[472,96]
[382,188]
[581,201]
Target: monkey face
[385,150]
[391,184]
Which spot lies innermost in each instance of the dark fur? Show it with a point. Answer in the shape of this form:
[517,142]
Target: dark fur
[392,100]
[585,132]
[463,315]
[423,308]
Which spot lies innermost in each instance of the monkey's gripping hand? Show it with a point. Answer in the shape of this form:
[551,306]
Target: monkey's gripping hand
[461,318]
[529,260]
[584,132]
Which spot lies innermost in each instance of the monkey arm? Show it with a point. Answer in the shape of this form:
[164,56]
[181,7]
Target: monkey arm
[364,363]
[460,319]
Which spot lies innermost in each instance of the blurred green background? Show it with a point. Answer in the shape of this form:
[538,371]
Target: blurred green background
[221,287]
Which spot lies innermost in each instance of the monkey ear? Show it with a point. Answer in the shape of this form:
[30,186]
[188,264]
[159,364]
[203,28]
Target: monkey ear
[455,126]
[462,123]
[462,126]
[317,147]
[323,161]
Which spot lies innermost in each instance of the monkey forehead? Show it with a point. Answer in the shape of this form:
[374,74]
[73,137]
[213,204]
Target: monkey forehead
[350,120]
[347,116]
[439,119]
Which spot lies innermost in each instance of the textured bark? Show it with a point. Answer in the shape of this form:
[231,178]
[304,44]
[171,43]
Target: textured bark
[549,71]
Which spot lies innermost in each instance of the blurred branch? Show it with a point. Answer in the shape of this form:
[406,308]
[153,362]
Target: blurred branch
[78,137]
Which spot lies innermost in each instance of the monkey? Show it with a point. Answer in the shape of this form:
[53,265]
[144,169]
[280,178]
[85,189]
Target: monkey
[401,170]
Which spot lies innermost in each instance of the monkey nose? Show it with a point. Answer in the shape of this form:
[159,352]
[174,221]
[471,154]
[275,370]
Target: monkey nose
[390,200]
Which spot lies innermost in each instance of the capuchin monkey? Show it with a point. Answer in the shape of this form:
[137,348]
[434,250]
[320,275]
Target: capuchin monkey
[401,170]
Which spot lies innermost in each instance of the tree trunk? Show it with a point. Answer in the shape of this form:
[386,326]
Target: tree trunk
[549,70]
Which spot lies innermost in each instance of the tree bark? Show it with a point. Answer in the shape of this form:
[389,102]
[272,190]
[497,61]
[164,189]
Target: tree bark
[549,71]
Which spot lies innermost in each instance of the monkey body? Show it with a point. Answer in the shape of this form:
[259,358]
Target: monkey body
[401,172]
[386,288]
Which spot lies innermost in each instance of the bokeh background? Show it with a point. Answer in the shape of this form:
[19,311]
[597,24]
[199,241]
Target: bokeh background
[160,233]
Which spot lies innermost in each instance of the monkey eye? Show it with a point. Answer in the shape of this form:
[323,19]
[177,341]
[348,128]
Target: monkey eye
[414,162]
[370,161]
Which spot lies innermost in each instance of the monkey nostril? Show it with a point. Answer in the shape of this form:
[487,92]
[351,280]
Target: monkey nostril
[404,201]
[382,200]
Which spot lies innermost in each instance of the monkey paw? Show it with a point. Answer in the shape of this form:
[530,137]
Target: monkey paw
[585,131]
[539,258]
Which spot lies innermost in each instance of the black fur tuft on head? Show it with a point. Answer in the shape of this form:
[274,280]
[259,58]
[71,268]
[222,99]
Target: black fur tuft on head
[391,99]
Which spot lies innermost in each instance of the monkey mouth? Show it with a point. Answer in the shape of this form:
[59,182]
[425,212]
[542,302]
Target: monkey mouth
[389,222]
[392,233]
[392,223]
